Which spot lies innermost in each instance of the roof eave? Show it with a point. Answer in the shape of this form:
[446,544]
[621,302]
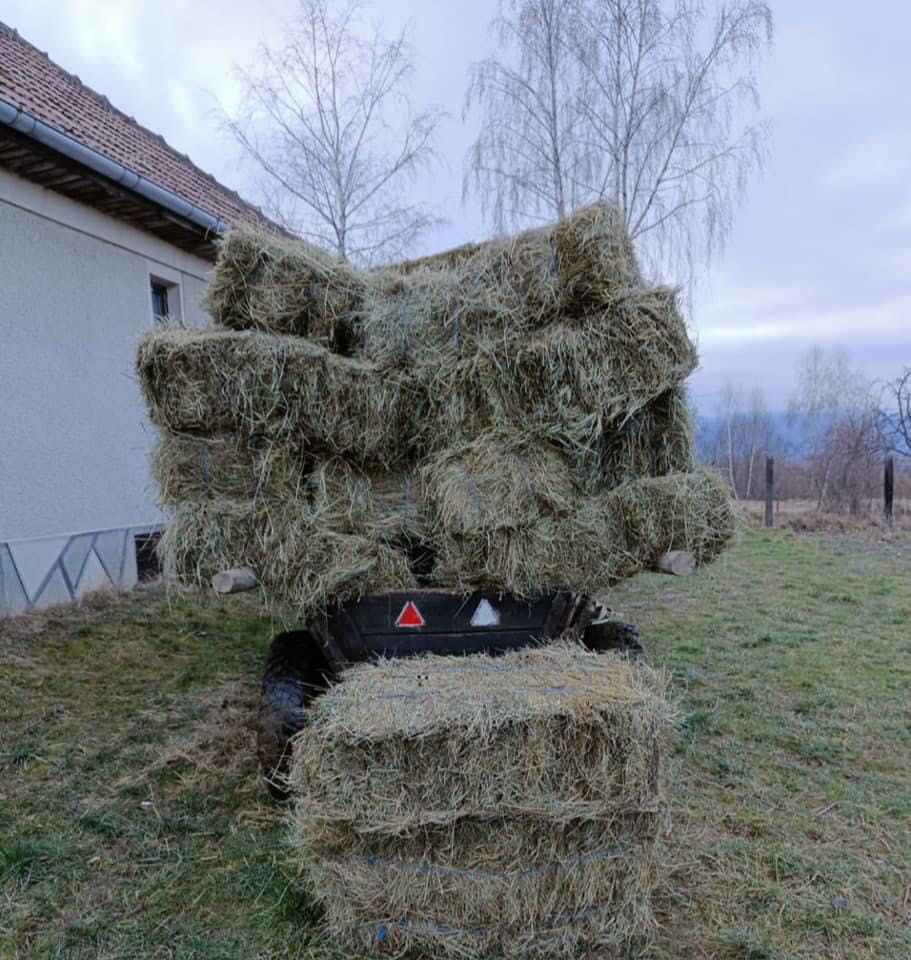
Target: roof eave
[32,127]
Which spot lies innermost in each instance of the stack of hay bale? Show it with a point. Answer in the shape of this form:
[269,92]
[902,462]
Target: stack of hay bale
[465,807]
[503,416]
[507,415]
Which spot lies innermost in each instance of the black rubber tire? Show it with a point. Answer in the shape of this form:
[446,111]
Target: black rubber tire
[614,635]
[296,671]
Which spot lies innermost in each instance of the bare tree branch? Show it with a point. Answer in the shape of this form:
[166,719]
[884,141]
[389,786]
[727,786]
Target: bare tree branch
[894,414]
[639,101]
[834,409]
[326,121]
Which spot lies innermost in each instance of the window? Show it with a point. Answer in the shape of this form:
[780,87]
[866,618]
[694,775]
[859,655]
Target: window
[148,565]
[166,300]
[160,300]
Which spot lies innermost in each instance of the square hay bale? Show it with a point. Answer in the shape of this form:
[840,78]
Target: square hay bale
[297,559]
[654,441]
[226,467]
[585,260]
[266,282]
[579,379]
[499,480]
[604,538]
[263,281]
[340,495]
[286,389]
[467,805]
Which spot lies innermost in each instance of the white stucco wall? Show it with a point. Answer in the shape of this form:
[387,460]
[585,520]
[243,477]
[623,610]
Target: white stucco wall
[74,298]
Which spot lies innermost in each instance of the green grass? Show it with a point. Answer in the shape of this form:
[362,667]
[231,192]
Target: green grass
[792,776]
[132,824]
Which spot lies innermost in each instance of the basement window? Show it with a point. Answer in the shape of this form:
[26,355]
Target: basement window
[165,300]
[148,566]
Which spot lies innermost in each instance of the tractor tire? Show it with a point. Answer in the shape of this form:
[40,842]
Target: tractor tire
[295,673]
[614,635]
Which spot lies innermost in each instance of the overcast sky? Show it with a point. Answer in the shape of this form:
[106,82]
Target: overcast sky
[821,248]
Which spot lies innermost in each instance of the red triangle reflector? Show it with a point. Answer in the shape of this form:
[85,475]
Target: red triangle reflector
[410,616]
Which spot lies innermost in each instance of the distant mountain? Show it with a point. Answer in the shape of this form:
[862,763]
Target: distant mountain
[790,435]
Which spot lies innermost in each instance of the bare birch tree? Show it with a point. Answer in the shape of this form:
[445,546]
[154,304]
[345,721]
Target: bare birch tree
[326,120]
[834,410]
[739,436]
[650,104]
[730,412]
[525,163]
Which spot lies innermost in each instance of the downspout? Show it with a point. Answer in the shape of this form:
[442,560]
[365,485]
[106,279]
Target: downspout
[41,132]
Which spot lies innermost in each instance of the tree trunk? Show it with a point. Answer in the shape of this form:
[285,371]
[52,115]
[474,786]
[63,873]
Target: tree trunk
[731,459]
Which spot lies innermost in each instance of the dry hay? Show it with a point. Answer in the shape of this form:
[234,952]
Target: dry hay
[281,388]
[519,527]
[502,408]
[516,469]
[512,887]
[224,467]
[499,480]
[386,506]
[296,558]
[481,803]
[580,383]
[266,282]
[579,379]
[341,496]
[605,538]
[654,441]
[555,731]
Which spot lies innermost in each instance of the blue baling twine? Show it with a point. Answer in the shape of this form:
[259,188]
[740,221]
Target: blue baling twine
[423,694]
[551,923]
[405,327]
[608,853]
[406,500]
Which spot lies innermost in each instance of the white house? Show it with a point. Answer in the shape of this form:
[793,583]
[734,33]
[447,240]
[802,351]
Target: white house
[103,226]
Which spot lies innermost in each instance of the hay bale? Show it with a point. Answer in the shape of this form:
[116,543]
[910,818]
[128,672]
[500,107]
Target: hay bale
[432,317]
[340,495]
[499,480]
[225,467]
[387,506]
[296,558]
[585,260]
[502,405]
[263,281]
[484,804]
[578,379]
[286,389]
[516,888]
[603,539]
[654,441]
[351,532]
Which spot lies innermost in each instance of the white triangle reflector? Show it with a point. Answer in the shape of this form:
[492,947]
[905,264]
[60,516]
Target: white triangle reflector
[486,615]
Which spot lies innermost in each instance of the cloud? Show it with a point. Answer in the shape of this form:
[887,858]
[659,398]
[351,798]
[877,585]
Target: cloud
[888,318]
[878,161]
[821,250]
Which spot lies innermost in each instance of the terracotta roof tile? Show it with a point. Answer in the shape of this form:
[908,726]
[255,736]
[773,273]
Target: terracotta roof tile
[32,81]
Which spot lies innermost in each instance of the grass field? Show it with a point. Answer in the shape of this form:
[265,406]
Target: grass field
[132,824]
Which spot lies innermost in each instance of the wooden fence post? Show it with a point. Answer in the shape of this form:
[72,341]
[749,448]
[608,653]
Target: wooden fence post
[888,489]
[769,488]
